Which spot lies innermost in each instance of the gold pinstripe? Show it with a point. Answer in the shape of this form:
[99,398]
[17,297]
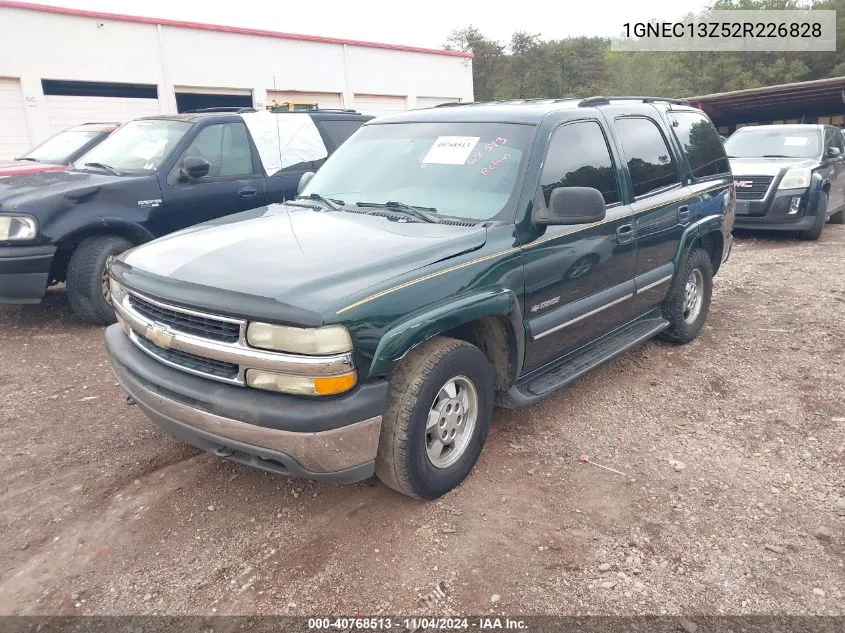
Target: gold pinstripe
[513,249]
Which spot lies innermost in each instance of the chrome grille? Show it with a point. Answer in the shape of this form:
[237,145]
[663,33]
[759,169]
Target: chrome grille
[191,362]
[759,186]
[198,325]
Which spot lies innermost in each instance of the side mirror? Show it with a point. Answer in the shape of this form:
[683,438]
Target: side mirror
[194,167]
[572,205]
[834,152]
[304,180]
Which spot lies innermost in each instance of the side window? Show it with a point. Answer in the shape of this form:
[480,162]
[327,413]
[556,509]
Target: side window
[226,147]
[578,156]
[704,150]
[833,138]
[649,159]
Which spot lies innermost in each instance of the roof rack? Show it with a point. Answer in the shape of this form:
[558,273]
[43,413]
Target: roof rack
[235,109]
[341,110]
[598,100]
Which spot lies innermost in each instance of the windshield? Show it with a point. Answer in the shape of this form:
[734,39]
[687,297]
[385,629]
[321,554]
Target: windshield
[787,143]
[467,170]
[136,147]
[59,149]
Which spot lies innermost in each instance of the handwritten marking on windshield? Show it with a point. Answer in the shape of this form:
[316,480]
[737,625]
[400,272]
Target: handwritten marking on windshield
[495,163]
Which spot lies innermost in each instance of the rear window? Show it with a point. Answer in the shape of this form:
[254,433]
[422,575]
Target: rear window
[704,150]
[340,130]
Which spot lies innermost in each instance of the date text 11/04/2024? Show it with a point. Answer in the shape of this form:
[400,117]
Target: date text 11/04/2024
[416,623]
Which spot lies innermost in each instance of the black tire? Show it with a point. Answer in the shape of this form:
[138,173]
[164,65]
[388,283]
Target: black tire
[85,276]
[675,307]
[403,462]
[816,232]
[838,218]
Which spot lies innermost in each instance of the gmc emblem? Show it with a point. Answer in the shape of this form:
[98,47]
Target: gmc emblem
[744,184]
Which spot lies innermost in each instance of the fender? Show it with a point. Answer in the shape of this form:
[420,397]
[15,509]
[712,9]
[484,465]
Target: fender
[814,193]
[458,310]
[708,224]
[132,231]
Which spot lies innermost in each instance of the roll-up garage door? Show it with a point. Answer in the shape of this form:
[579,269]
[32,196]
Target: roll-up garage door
[14,133]
[64,111]
[380,105]
[324,100]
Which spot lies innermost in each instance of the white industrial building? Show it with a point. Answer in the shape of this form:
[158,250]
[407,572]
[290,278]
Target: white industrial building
[61,67]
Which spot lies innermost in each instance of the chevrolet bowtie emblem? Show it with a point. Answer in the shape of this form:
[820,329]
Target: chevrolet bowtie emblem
[159,336]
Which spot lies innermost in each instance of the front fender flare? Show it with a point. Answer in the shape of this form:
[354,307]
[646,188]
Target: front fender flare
[417,327]
[132,231]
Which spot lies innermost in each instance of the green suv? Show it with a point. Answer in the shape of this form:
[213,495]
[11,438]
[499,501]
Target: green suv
[441,262]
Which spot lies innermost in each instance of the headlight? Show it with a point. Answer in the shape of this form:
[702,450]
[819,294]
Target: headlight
[18,227]
[332,339]
[304,385]
[796,178]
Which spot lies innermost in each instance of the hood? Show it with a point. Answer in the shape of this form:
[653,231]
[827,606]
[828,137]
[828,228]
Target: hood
[767,166]
[19,167]
[18,190]
[300,256]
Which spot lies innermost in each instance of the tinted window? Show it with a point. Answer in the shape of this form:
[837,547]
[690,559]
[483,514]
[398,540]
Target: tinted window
[704,150]
[578,157]
[649,158]
[339,131]
[226,147]
[833,138]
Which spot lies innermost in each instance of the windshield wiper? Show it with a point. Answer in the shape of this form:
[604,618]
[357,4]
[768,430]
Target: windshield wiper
[108,168]
[417,212]
[331,203]
[776,156]
[34,160]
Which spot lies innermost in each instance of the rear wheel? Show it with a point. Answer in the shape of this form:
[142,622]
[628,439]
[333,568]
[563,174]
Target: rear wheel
[688,302]
[439,409]
[816,232]
[87,281]
[838,218]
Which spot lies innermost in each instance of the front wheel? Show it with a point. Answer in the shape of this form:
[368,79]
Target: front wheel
[439,409]
[688,302]
[87,281]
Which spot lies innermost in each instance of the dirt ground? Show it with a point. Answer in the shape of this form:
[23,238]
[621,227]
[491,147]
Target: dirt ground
[733,449]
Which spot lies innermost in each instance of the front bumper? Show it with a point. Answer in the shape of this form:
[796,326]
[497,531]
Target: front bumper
[772,213]
[24,273]
[334,439]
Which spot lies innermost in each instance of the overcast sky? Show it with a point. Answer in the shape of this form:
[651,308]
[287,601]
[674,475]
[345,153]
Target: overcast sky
[424,23]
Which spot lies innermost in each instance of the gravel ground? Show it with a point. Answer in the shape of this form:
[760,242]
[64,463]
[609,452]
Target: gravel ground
[732,502]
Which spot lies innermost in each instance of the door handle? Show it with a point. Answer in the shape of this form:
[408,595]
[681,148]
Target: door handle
[684,214]
[625,234]
[248,192]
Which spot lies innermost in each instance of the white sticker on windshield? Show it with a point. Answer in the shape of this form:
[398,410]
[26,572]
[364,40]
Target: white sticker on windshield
[796,140]
[451,150]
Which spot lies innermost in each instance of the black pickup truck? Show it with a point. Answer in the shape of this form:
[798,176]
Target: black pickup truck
[440,261]
[152,176]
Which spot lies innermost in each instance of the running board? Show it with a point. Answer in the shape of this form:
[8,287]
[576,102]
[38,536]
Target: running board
[560,375]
